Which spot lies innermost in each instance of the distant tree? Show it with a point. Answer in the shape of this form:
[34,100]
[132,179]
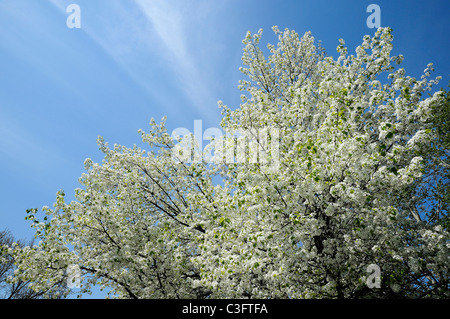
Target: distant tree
[334,165]
[16,289]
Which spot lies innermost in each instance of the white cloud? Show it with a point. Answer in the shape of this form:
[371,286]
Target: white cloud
[172,27]
[168,23]
[138,31]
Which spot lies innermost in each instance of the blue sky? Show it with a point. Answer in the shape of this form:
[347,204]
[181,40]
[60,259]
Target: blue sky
[135,59]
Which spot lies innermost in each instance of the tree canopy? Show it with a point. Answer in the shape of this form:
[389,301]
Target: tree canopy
[330,173]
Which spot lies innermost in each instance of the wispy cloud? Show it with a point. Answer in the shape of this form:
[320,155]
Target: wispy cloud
[172,26]
[142,30]
[114,30]
[168,23]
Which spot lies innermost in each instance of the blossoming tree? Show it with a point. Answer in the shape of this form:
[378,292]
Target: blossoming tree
[334,196]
